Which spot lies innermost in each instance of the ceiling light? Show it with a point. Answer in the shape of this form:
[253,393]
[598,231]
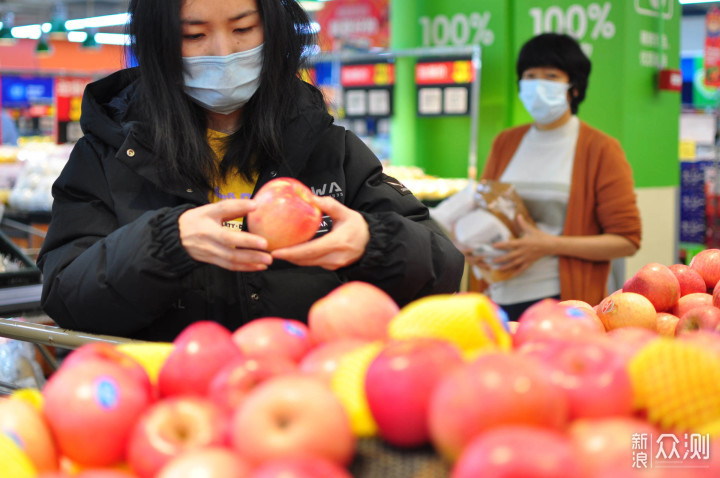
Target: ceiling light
[6,37]
[57,29]
[90,42]
[43,47]
[97,22]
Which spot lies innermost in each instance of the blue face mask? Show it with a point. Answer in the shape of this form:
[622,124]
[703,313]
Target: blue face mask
[545,100]
[223,84]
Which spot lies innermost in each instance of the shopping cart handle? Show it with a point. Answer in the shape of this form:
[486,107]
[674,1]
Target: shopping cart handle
[53,335]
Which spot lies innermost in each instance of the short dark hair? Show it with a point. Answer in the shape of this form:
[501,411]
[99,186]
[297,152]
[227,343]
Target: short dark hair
[179,125]
[559,51]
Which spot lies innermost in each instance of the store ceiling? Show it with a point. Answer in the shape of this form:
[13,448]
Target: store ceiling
[40,11]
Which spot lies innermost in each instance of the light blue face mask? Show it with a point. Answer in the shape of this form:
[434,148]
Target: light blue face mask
[545,100]
[223,84]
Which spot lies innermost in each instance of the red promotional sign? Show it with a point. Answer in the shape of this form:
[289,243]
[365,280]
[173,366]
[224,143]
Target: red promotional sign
[360,23]
[68,96]
[712,48]
[378,74]
[444,72]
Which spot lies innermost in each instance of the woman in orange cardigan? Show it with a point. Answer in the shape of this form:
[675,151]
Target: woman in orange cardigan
[575,181]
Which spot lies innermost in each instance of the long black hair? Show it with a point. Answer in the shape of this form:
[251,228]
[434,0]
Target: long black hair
[178,125]
[560,51]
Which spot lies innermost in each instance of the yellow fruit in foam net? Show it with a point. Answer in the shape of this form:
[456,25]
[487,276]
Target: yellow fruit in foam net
[469,320]
[678,384]
[348,384]
[13,460]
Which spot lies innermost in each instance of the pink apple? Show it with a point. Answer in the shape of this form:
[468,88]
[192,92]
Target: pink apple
[665,324]
[707,264]
[104,473]
[292,416]
[600,443]
[107,351]
[234,381]
[273,336]
[495,389]
[25,424]
[716,295]
[687,302]
[398,385]
[356,309]
[625,309]
[518,451]
[548,319]
[706,317]
[656,282]
[208,462]
[91,408]
[708,339]
[199,352]
[170,428]
[689,279]
[630,340]
[286,214]
[322,361]
[300,467]
[591,372]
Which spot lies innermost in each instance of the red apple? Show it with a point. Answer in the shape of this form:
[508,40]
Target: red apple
[625,309]
[292,416]
[104,473]
[398,385]
[689,279]
[706,317]
[707,264]
[232,382]
[273,336]
[665,324]
[656,282]
[708,339]
[25,424]
[517,451]
[286,214]
[208,462]
[200,351]
[301,467]
[548,319]
[592,373]
[322,361]
[91,408]
[600,443]
[170,428]
[107,351]
[628,341]
[356,310]
[716,295]
[495,389]
[687,302]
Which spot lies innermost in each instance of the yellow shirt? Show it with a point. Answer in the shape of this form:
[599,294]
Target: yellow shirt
[233,185]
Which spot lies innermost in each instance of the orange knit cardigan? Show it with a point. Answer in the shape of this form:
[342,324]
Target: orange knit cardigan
[602,200]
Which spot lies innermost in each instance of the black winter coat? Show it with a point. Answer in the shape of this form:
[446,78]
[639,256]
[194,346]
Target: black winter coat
[113,263]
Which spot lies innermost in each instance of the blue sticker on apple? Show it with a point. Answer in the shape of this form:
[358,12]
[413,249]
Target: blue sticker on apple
[107,392]
[575,312]
[293,329]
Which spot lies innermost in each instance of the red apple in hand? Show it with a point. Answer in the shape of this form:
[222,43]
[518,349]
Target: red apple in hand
[398,385]
[200,351]
[302,467]
[689,279]
[591,372]
[495,389]
[517,451]
[209,462]
[322,361]
[91,408]
[707,264]
[25,424]
[706,317]
[356,310]
[170,428]
[292,416]
[273,336]
[286,214]
[656,282]
[234,381]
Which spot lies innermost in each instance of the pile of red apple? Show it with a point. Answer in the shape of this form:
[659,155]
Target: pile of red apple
[260,401]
